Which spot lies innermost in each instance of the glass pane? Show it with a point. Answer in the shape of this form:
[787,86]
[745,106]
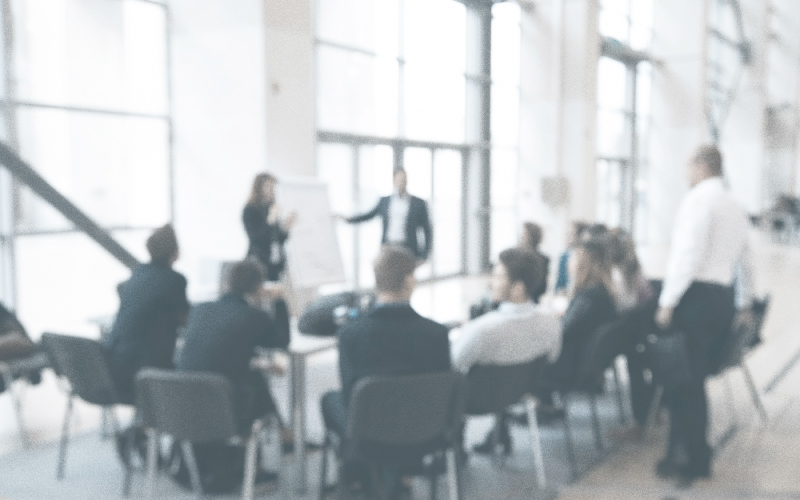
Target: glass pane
[614,25]
[613,136]
[609,184]
[335,166]
[505,177]
[371,25]
[113,168]
[62,294]
[505,43]
[418,165]
[612,84]
[356,93]
[446,208]
[434,104]
[505,224]
[505,115]
[435,34]
[375,181]
[91,53]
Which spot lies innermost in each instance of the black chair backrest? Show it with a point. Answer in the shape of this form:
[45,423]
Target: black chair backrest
[83,362]
[193,406]
[406,410]
[493,388]
[598,353]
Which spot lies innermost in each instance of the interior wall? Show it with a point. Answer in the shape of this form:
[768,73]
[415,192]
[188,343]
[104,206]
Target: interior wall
[218,63]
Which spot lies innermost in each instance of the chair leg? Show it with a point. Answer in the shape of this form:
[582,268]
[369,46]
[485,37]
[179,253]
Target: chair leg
[619,392]
[731,398]
[655,405]
[536,441]
[751,385]
[570,442]
[152,462]
[452,474]
[250,464]
[598,438]
[16,400]
[323,473]
[62,452]
[434,483]
[194,471]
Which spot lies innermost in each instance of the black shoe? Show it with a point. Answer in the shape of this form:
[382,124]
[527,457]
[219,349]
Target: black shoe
[688,474]
[667,468]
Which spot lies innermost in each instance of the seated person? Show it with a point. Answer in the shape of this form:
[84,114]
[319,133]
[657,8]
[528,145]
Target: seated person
[590,307]
[15,344]
[152,306]
[517,332]
[563,278]
[391,339]
[221,337]
[530,239]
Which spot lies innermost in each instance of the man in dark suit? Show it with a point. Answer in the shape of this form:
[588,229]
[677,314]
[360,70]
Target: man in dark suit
[404,217]
[152,306]
[222,336]
[392,339]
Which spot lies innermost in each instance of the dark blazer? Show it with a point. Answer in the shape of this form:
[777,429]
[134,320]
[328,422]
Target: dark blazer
[590,309]
[262,236]
[418,219]
[537,294]
[222,336]
[392,339]
[152,306]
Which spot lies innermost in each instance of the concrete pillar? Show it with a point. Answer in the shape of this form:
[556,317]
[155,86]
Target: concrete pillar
[290,98]
[558,115]
[678,103]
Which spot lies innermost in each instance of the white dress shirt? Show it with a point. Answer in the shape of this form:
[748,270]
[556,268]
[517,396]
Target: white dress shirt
[513,334]
[709,244]
[398,216]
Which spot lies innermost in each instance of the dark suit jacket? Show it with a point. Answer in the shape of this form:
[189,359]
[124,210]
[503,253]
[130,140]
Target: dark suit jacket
[590,309]
[417,220]
[392,339]
[261,237]
[152,306]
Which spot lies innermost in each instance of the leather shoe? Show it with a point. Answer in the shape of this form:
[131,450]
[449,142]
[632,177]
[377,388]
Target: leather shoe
[667,468]
[688,474]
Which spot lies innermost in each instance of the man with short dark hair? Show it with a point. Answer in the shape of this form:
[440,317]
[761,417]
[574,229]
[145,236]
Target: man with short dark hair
[517,332]
[403,217]
[392,339]
[222,336]
[152,306]
[709,248]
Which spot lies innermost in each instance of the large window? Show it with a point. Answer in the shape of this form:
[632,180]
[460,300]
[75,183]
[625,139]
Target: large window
[623,114]
[89,110]
[391,90]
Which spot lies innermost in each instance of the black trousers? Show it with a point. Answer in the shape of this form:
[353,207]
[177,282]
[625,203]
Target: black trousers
[705,314]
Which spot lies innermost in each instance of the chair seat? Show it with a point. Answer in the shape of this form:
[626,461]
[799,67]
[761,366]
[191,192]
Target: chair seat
[22,366]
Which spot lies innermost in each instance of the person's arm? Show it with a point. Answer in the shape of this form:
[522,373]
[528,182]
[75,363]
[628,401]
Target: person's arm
[689,242]
[466,348]
[347,369]
[255,225]
[275,332]
[426,230]
[367,215]
[577,319]
[745,283]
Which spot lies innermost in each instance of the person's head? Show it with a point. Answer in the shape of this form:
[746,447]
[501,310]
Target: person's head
[394,274]
[589,265]
[623,253]
[531,236]
[576,230]
[263,190]
[162,246]
[400,180]
[516,276]
[706,163]
[245,277]
[596,231]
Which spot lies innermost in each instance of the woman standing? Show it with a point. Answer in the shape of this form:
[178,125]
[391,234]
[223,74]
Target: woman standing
[266,232]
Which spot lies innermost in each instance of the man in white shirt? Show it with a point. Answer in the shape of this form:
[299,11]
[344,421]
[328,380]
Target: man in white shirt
[405,219]
[517,332]
[709,250]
